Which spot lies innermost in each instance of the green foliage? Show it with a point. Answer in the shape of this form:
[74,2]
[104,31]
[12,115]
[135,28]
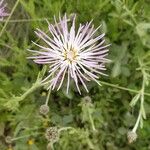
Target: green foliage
[98,120]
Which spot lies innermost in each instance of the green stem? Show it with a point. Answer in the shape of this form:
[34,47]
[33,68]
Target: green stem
[48,96]
[130,14]
[35,86]
[141,111]
[65,128]
[91,120]
[122,88]
[141,107]
[91,146]
[51,146]
[24,136]
[137,122]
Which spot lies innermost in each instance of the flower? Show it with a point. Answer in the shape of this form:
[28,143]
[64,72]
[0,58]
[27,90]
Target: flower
[30,141]
[2,10]
[71,55]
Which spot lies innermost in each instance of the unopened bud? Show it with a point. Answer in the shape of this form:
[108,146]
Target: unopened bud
[52,134]
[8,139]
[44,109]
[131,136]
[87,99]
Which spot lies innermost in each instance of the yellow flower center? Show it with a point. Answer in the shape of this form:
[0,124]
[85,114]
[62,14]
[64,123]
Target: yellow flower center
[71,55]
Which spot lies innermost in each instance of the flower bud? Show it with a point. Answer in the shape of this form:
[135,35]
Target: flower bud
[44,109]
[52,134]
[87,99]
[131,136]
[8,139]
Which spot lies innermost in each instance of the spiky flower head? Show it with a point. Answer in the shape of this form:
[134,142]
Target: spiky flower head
[2,10]
[131,136]
[44,109]
[71,54]
[8,139]
[52,134]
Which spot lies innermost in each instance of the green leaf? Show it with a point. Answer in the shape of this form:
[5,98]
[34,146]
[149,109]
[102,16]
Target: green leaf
[142,30]
[135,99]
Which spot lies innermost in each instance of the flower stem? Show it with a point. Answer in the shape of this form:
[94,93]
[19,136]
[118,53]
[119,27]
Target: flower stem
[141,111]
[51,146]
[65,128]
[91,120]
[122,88]
[137,122]
[48,96]
[24,136]
[35,86]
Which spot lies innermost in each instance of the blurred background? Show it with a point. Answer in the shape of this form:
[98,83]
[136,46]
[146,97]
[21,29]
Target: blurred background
[98,120]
